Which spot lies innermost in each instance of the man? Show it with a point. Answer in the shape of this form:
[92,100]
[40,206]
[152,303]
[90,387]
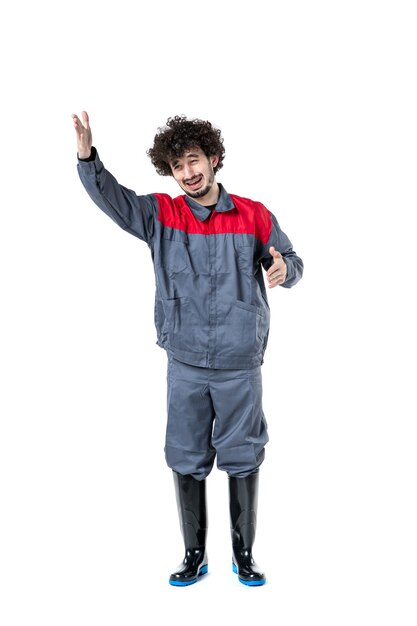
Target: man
[210,250]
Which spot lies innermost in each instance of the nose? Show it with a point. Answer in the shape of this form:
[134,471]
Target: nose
[188,172]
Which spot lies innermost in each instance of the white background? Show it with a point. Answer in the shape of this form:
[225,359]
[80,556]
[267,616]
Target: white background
[317,105]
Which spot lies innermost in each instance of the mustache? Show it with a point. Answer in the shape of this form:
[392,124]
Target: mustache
[193,179]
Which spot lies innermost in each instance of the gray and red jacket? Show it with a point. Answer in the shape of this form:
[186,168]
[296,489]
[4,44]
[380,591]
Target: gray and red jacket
[211,307]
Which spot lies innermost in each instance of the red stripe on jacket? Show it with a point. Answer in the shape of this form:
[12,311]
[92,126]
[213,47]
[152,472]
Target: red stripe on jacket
[247,217]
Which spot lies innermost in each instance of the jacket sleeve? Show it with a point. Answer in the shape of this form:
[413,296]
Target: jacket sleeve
[280,241]
[135,214]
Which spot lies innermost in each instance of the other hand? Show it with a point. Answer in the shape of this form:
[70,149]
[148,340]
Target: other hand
[277,273]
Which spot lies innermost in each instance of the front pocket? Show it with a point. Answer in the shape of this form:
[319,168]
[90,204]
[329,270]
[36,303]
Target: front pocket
[245,258]
[173,251]
[181,323]
[244,331]
[238,335]
[248,307]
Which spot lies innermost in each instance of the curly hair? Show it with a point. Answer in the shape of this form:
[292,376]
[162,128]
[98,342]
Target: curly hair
[181,134]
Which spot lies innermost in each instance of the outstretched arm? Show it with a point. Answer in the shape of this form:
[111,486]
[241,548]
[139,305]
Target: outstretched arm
[135,214]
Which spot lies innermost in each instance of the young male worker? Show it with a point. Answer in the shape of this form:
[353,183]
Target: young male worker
[210,250]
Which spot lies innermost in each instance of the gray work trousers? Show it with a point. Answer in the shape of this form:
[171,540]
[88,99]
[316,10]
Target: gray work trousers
[211,413]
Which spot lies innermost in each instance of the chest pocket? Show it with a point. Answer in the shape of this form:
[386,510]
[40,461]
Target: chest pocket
[174,251]
[245,258]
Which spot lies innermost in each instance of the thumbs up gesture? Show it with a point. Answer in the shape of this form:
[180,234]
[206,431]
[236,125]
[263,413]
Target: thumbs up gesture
[277,273]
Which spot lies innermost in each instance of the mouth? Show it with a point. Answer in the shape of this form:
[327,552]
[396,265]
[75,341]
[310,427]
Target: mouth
[194,183]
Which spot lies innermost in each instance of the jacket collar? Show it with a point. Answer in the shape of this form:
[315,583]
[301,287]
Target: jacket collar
[201,212]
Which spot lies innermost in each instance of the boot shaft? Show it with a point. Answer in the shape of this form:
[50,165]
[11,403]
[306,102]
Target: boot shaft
[243,499]
[192,509]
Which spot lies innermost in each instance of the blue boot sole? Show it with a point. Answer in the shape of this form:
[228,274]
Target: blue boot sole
[249,583]
[178,583]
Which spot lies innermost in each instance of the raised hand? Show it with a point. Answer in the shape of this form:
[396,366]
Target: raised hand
[277,273]
[84,136]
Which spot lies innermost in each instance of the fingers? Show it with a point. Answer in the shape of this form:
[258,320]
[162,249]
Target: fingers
[76,120]
[277,278]
[84,136]
[80,125]
[275,253]
[86,119]
[277,273]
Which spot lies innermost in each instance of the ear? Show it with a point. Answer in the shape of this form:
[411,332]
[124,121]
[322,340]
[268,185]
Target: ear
[214,160]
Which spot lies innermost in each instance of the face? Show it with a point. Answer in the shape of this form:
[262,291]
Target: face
[194,172]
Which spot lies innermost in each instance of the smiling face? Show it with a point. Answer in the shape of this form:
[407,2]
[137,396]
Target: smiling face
[195,175]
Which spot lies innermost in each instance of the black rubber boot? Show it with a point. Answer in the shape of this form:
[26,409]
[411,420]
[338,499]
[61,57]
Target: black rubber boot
[243,494]
[191,501]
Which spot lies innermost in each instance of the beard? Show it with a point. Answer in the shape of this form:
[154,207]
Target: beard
[204,191]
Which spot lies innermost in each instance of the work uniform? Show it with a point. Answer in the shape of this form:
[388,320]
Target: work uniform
[211,314]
